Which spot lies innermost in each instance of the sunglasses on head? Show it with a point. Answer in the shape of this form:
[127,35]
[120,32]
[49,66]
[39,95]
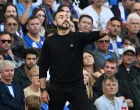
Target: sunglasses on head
[103,41]
[10,24]
[4,41]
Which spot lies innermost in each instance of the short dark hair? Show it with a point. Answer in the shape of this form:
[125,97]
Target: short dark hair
[133,41]
[86,16]
[113,61]
[4,33]
[31,18]
[116,19]
[137,51]
[33,51]
[58,11]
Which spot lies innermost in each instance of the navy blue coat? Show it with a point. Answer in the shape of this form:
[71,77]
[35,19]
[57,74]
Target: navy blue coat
[7,101]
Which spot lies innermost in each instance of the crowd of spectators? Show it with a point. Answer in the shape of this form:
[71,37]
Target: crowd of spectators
[111,65]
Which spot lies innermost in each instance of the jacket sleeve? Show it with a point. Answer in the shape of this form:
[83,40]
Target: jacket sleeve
[44,60]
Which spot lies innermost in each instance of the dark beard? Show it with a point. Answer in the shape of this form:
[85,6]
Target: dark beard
[62,27]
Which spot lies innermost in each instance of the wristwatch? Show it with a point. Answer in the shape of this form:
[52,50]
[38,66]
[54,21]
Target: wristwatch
[43,89]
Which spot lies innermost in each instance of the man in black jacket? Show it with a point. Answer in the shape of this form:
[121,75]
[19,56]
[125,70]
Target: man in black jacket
[21,73]
[62,54]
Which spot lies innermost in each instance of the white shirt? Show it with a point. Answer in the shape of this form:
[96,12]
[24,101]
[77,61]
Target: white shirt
[99,20]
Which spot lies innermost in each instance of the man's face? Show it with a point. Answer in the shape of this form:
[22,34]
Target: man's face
[114,28]
[110,88]
[128,57]
[5,43]
[136,8]
[30,61]
[85,25]
[34,26]
[110,69]
[8,73]
[128,4]
[62,21]
[11,25]
[103,43]
[128,43]
[133,26]
[98,3]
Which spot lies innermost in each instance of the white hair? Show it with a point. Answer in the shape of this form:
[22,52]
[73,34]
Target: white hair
[132,16]
[6,63]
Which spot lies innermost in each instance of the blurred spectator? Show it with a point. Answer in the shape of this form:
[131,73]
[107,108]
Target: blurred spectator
[136,8]
[102,52]
[72,26]
[125,7]
[32,38]
[126,74]
[114,31]
[100,14]
[34,88]
[8,10]
[137,67]
[89,64]
[11,95]
[85,24]
[21,73]
[110,70]
[127,41]
[18,45]
[133,27]
[25,10]
[5,48]
[109,101]
[47,5]
[75,10]
[32,102]
[40,13]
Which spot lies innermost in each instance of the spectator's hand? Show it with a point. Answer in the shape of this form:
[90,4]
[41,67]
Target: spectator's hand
[122,97]
[29,3]
[104,33]
[45,97]
[129,103]
[96,75]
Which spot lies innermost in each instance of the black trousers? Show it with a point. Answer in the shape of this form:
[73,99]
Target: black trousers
[76,95]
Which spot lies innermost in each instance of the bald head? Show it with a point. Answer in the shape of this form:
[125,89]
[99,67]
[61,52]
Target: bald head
[136,8]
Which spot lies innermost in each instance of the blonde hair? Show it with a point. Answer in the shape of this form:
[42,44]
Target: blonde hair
[90,84]
[33,70]
[33,102]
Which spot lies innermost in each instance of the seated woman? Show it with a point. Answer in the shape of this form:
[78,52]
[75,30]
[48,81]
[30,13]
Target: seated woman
[34,88]
[89,64]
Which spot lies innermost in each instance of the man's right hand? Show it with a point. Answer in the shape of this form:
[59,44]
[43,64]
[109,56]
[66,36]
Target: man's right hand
[45,97]
[29,3]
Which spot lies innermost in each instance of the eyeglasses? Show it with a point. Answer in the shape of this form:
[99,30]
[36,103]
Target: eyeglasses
[36,75]
[10,24]
[4,41]
[103,41]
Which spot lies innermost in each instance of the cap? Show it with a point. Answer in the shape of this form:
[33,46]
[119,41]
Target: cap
[129,48]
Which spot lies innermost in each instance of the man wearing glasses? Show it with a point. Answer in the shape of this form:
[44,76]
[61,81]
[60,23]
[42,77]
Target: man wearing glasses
[102,52]
[126,74]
